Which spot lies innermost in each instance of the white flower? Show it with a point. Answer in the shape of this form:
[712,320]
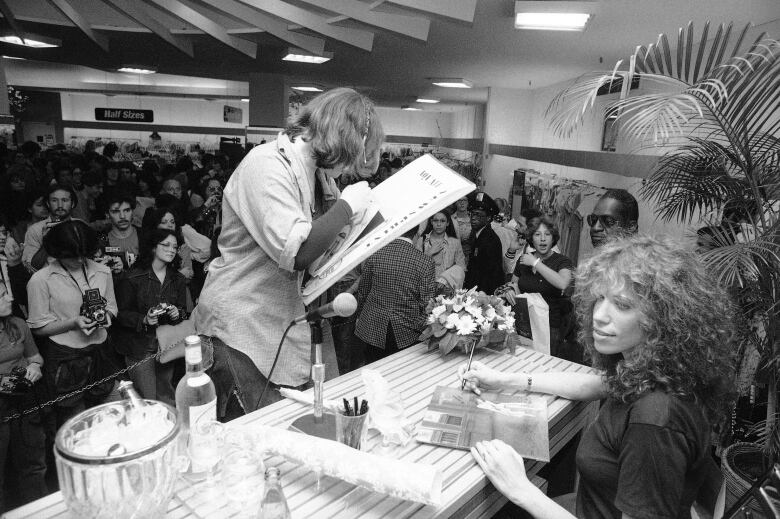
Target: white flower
[452,321]
[490,313]
[437,311]
[431,319]
[474,310]
[466,325]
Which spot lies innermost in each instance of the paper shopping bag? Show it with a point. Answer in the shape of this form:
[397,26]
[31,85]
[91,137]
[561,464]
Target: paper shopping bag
[532,320]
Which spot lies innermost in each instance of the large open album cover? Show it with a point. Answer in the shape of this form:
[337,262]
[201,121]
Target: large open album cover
[459,419]
[404,200]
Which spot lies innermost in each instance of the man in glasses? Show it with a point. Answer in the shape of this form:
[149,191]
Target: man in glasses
[615,215]
[486,263]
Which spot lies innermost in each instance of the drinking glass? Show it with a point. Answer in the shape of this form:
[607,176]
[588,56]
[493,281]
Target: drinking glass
[243,481]
[351,430]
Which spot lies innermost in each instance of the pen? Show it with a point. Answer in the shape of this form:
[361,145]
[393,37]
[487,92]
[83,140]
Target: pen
[468,366]
[347,408]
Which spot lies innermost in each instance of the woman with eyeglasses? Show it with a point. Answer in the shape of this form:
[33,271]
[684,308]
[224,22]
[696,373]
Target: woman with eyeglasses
[549,274]
[153,293]
[651,319]
[440,243]
[281,209]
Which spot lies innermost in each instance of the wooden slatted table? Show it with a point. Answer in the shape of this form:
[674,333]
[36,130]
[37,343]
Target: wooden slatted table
[415,373]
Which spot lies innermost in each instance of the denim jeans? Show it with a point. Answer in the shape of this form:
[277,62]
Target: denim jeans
[153,380]
[238,382]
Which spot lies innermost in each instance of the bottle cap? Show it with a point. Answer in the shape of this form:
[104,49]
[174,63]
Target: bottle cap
[272,472]
[192,340]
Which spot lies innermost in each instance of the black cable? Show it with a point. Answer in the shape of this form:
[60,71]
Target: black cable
[273,366]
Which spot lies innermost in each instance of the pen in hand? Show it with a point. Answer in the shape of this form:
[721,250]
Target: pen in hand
[468,366]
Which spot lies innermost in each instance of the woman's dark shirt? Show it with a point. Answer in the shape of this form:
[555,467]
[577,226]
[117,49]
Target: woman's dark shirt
[527,281]
[136,292]
[646,459]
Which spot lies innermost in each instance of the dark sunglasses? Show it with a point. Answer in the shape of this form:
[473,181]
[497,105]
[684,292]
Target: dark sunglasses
[606,221]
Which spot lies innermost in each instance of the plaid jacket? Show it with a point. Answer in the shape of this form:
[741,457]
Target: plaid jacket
[395,286]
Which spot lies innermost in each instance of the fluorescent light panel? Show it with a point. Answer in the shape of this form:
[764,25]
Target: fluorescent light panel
[12,57]
[307,57]
[552,21]
[452,82]
[424,100]
[410,108]
[244,99]
[554,15]
[135,70]
[38,42]
[307,88]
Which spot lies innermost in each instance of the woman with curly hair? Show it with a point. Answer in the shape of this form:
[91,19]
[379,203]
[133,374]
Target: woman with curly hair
[652,321]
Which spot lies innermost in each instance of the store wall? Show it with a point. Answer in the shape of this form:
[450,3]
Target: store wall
[517,117]
[415,124]
[188,112]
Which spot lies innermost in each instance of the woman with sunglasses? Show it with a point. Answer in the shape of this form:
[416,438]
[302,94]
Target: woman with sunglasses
[549,274]
[153,293]
[651,320]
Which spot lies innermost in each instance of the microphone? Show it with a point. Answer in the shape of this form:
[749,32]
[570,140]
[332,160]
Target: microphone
[343,305]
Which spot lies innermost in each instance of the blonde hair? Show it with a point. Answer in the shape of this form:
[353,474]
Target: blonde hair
[339,125]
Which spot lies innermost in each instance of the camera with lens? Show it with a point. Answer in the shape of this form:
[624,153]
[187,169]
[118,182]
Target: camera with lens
[15,383]
[93,307]
[161,312]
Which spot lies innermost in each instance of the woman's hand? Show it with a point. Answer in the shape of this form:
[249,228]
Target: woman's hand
[187,272]
[173,313]
[33,372]
[357,196]
[480,376]
[211,201]
[528,259]
[151,317]
[13,253]
[504,467]
[85,324]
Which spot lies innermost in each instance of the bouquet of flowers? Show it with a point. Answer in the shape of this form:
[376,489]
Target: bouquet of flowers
[469,316]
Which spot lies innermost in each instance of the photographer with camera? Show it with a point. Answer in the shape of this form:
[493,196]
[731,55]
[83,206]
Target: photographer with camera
[154,292]
[60,200]
[208,218]
[71,304]
[21,440]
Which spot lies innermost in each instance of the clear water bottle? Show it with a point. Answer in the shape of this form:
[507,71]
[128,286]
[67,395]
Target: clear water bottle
[196,405]
[274,504]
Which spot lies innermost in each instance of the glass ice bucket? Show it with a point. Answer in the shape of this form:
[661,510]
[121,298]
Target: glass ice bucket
[118,461]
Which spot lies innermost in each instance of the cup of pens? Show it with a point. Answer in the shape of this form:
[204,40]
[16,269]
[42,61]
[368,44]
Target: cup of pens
[352,423]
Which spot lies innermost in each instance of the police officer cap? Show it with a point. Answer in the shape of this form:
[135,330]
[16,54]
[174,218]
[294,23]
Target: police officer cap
[483,202]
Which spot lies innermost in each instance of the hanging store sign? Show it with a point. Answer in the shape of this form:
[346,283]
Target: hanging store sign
[124,114]
[231,114]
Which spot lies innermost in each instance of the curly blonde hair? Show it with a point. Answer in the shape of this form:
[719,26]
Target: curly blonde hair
[687,319]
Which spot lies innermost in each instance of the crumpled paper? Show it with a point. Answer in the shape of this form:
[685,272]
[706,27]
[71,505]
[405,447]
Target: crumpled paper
[402,479]
[382,398]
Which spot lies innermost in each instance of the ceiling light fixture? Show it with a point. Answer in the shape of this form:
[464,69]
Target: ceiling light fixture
[136,69]
[424,100]
[452,82]
[244,99]
[12,57]
[553,15]
[307,57]
[410,108]
[307,88]
[35,41]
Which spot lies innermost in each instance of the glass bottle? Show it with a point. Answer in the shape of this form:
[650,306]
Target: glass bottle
[128,392]
[196,405]
[274,504]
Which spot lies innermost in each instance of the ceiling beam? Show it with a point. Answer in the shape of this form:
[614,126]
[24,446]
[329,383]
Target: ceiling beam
[11,19]
[211,28]
[269,24]
[81,22]
[414,27]
[462,10]
[139,13]
[355,37]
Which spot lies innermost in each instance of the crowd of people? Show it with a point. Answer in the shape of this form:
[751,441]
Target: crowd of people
[98,254]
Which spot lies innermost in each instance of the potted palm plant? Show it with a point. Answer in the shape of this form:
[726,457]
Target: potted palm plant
[714,109]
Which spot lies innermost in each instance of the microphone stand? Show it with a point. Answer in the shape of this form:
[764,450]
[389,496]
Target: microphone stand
[318,423]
